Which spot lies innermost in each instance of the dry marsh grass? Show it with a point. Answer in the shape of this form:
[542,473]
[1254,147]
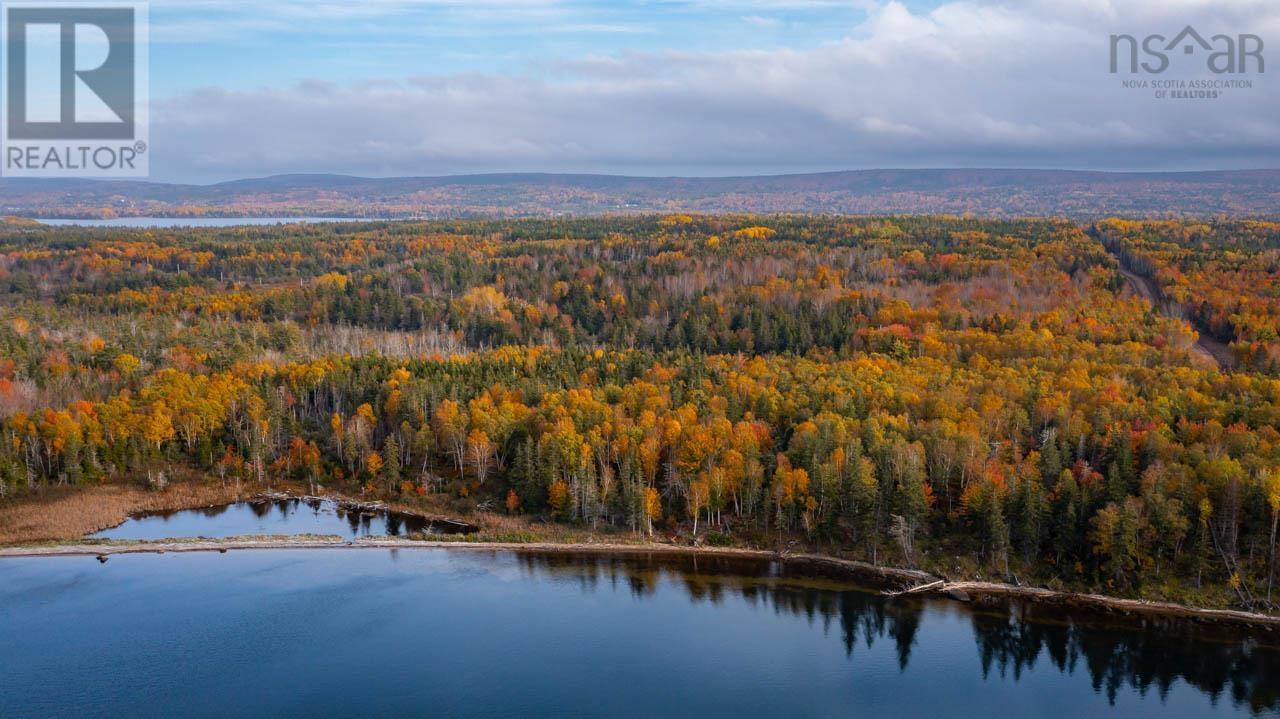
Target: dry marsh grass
[72,513]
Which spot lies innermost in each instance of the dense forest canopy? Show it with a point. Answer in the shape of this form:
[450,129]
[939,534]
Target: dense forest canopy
[962,393]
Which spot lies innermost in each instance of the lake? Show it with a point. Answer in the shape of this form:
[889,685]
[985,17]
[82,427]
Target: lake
[173,222]
[271,517]
[479,633]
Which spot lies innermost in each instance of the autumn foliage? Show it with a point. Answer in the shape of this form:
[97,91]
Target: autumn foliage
[895,387]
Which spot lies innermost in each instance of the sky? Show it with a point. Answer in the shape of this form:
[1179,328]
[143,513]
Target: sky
[244,88]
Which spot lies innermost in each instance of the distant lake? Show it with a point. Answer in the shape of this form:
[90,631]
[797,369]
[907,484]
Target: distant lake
[165,222]
[479,633]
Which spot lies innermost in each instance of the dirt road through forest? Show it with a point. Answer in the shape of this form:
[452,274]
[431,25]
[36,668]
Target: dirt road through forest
[1206,346]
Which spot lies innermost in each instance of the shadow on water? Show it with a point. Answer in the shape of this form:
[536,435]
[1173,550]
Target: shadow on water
[1009,636]
[1154,657]
[215,511]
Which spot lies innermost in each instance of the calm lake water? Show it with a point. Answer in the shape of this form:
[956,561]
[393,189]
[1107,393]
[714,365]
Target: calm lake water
[472,633]
[283,516]
[164,222]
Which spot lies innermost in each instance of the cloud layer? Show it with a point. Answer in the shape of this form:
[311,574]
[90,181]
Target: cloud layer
[964,84]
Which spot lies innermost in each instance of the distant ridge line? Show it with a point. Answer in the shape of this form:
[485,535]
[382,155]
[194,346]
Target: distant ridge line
[983,191]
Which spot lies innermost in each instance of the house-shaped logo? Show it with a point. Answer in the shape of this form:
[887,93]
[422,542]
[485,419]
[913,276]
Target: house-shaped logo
[1221,53]
[1188,39]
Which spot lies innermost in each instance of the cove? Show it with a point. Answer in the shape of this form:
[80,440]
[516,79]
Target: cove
[275,517]
[477,633]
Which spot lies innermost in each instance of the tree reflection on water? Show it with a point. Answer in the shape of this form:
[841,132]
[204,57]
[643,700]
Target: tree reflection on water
[1010,637]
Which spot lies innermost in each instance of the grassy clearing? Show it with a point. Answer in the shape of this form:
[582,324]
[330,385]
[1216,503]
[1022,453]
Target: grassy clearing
[72,512]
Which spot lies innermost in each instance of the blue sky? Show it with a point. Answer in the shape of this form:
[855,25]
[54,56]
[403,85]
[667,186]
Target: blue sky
[248,45]
[687,87]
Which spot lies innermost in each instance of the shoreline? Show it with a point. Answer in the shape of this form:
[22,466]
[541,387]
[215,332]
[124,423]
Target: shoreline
[908,581]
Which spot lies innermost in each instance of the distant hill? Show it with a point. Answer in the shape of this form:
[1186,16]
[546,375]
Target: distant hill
[983,192]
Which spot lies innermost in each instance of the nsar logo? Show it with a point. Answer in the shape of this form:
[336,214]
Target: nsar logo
[1222,54]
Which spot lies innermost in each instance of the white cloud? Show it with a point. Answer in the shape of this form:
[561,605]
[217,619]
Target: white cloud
[966,83]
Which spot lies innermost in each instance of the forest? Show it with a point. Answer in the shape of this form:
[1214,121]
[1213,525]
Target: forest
[975,396]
